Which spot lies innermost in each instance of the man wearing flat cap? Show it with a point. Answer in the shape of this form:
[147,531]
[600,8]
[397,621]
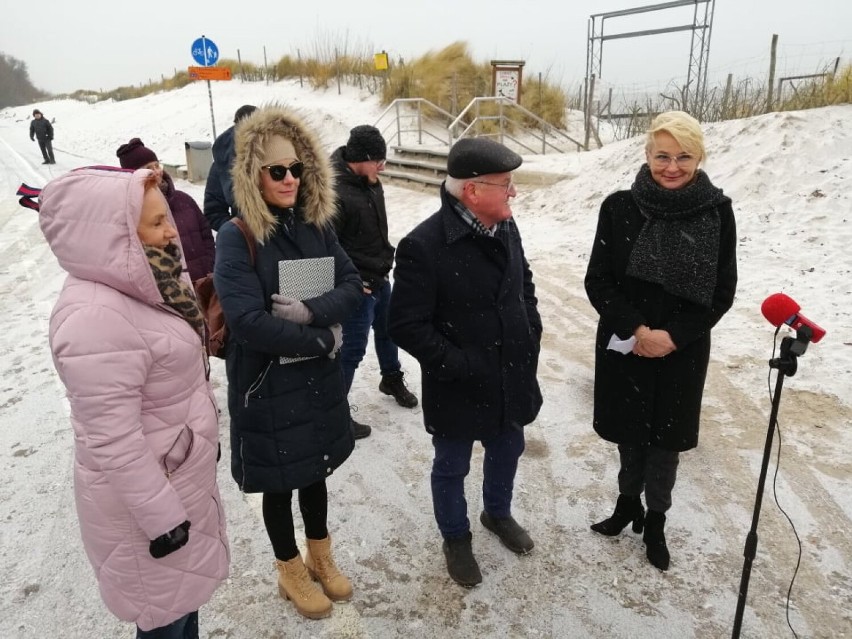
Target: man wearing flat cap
[464,306]
[361,224]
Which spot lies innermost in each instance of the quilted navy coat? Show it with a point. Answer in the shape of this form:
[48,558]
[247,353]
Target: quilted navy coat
[289,422]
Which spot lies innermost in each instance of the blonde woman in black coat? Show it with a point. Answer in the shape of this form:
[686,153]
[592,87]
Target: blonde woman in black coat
[289,419]
[662,272]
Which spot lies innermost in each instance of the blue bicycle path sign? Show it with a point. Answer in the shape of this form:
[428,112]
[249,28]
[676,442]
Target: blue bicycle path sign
[205,52]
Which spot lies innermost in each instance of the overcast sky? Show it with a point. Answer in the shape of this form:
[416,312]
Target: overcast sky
[100,44]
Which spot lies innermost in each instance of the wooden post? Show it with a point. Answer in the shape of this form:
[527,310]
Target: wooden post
[299,56]
[590,96]
[337,69]
[725,97]
[772,73]
[265,68]
[540,95]
[240,61]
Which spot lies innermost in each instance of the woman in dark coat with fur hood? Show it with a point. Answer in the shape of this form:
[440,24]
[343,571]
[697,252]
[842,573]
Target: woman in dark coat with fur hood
[662,273]
[289,421]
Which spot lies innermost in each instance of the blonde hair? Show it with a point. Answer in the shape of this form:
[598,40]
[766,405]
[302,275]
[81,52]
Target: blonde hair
[683,128]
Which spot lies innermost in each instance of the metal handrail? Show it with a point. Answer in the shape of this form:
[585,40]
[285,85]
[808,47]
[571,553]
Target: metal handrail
[397,107]
[501,102]
[400,109]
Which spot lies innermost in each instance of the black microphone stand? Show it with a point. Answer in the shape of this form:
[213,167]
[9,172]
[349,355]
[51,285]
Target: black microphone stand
[786,364]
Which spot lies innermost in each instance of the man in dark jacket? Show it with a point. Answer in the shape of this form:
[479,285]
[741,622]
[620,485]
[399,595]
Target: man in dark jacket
[464,305]
[362,229]
[218,192]
[42,130]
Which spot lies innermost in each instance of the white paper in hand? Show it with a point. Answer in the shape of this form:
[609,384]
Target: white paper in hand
[623,346]
[303,280]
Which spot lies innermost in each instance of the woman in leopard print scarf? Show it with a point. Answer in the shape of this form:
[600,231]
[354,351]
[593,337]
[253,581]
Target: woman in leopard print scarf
[177,293]
[127,339]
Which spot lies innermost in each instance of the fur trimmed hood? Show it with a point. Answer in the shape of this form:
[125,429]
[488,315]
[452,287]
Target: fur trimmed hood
[316,189]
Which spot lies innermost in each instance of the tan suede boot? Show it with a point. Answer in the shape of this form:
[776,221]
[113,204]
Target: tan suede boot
[294,583]
[321,566]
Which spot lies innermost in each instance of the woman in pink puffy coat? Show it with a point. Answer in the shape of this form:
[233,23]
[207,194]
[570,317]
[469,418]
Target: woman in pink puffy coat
[127,341]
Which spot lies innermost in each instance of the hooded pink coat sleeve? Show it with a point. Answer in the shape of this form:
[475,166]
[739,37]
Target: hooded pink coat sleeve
[106,364]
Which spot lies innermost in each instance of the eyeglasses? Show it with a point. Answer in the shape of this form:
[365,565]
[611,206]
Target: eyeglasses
[278,171]
[661,160]
[508,187]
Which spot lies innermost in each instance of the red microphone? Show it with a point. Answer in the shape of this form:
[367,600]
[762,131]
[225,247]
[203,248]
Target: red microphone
[781,309]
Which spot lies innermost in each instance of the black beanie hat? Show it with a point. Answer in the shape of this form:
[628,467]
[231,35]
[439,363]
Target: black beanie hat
[365,143]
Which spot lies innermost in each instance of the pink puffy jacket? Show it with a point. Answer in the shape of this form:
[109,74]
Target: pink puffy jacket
[144,416]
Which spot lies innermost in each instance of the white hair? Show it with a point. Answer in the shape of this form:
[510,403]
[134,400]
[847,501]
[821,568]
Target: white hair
[455,186]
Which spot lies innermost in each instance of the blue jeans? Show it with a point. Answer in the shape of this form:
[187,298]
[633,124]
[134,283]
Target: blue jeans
[372,313]
[452,464]
[184,628]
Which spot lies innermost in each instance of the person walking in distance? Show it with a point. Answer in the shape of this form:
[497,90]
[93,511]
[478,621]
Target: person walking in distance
[662,272]
[464,305]
[362,228]
[42,130]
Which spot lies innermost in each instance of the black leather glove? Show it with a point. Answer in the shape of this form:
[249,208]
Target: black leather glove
[173,540]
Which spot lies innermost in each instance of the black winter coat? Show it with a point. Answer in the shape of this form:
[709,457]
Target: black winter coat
[219,204]
[464,306]
[650,400]
[41,128]
[362,223]
[289,422]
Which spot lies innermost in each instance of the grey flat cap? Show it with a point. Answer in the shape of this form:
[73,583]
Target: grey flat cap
[472,157]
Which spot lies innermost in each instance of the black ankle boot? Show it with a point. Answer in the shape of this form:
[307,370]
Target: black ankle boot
[359,430]
[461,564]
[628,508]
[394,385]
[655,540]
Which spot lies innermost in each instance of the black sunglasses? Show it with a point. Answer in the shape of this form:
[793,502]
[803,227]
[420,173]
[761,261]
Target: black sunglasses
[278,171]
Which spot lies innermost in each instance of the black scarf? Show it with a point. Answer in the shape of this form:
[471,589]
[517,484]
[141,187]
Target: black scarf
[165,263]
[678,246]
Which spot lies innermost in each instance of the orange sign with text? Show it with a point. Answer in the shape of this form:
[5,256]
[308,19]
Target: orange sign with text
[209,73]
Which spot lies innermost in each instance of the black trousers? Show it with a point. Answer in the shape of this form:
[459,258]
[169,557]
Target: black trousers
[646,467]
[46,147]
[278,518]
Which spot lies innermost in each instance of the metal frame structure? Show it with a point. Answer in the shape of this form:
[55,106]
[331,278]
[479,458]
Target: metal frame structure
[694,92]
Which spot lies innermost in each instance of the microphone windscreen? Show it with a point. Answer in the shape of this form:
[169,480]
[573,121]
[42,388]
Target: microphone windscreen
[778,308]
